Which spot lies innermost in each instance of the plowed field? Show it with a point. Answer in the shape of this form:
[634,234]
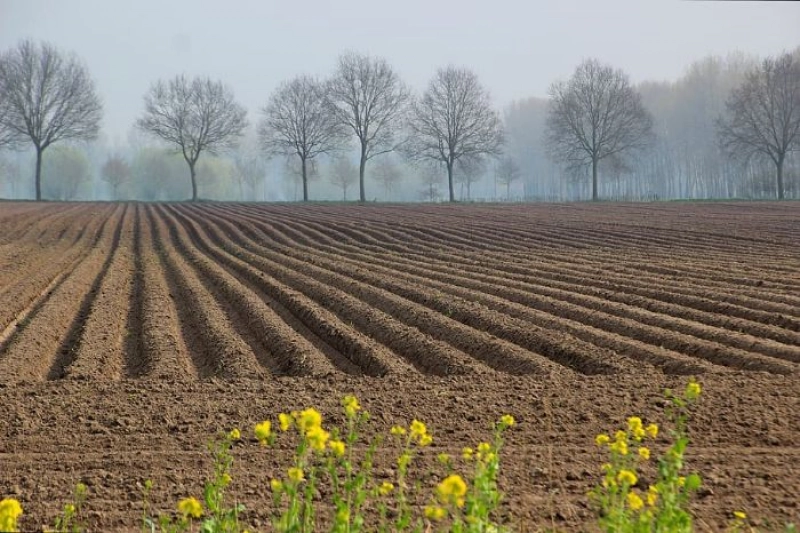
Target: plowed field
[131,333]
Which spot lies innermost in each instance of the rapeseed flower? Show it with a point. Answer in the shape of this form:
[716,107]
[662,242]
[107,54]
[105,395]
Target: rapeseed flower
[10,511]
[351,406]
[398,430]
[602,439]
[434,512]
[635,501]
[235,434]
[467,454]
[285,421]
[317,438]
[627,476]
[190,507]
[425,440]
[296,474]
[739,515]
[418,429]
[620,447]
[644,453]
[652,495]
[507,421]
[385,489]
[693,390]
[651,430]
[276,485]
[263,432]
[337,447]
[452,490]
[308,419]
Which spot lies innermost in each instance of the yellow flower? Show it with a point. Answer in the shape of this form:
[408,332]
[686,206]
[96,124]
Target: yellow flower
[398,430]
[467,453]
[337,447]
[10,511]
[634,422]
[351,406]
[443,458]
[651,430]
[69,509]
[276,485]
[452,490]
[620,447]
[343,516]
[652,495]
[681,481]
[602,439]
[308,419]
[627,476]
[484,447]
[235,434]
[620,436]
[226,479]
[434,512]
[644,453]
[263,432]
[285,421]
[507,421]
[385,488]
[296,474]
[692,390]
[605,467]
[634,501]
[739,515]
[418,429]
[190,507]
[317,438]
[425,440]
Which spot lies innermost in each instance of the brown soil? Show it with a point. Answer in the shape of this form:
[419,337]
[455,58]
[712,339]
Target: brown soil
[131,334]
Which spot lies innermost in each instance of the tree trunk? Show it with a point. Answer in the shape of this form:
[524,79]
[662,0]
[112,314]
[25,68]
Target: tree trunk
[779,177]
[305,179]
[594,179]
[38,180]
[361,167]
[194,180]
[450,181]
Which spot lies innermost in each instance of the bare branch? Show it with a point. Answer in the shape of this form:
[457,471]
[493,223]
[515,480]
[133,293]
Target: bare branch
[196,116]
[454,119]
[595,115]
[763,115]
[47,97]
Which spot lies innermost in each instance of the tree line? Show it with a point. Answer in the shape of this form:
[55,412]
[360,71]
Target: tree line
[595,127]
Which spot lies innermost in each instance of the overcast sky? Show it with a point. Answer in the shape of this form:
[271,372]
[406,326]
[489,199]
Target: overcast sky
[518,48]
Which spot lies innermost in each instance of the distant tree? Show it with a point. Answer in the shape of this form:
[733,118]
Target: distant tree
[454,119]
[198,115]
[367,96]
[763,114]
[64,172]
[10,174]
[507,172]
[248,169]
[116,172]
[431,177]
[469,170]
[298,122]
[387,174]
[343,174]
[46,96]
[294,173]
[595,115]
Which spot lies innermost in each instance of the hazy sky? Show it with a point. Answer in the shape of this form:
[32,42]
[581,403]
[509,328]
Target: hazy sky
[518,48]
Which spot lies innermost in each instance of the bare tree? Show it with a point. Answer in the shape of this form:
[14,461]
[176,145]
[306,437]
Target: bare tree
[198,115]
[47,97]
[298,122]
[454,119]
[507,172]
[763,114]
[387,174]
[248,169]
[293,172]
[115,172]
[368,97]
[594,115]
[431,178]
[343,174]
[469,170]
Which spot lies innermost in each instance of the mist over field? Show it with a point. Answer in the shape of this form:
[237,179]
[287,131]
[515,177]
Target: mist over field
[678,64]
